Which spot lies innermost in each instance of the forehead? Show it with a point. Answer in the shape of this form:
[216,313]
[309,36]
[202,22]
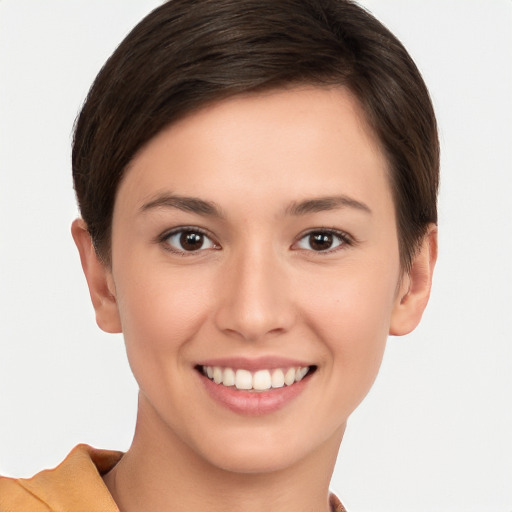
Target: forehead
[282,144]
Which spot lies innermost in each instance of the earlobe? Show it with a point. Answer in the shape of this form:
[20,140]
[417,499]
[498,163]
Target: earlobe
[99,280]
[415,287]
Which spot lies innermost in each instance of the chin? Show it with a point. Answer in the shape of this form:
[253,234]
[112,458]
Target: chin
[250,453]
[254,460]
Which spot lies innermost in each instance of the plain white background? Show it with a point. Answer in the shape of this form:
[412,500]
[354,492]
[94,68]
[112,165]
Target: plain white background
[435,433]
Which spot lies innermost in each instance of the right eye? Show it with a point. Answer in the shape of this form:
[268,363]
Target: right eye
[187,240]
[323,241]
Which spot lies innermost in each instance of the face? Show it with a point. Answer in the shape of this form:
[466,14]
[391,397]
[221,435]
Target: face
[254,246]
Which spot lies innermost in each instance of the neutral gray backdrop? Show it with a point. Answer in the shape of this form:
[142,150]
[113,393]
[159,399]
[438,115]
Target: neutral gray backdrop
[435,432]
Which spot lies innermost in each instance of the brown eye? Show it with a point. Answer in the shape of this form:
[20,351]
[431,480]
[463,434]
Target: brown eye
[189,240]
[322,241]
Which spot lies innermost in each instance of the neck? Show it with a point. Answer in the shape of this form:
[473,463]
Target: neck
[161,473]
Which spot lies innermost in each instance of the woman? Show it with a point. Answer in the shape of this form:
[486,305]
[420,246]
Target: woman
[257,183]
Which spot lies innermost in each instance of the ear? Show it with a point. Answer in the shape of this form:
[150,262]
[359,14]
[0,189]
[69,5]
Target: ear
[99,279]
[415,287]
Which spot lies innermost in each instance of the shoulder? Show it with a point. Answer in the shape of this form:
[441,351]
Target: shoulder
[69,487]
[14,497]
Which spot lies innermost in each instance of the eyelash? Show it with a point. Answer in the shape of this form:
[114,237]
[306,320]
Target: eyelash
[343,238]
[164,239]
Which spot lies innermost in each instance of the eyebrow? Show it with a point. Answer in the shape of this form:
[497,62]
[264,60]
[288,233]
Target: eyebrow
[210,209]
[322,204]
[184,203]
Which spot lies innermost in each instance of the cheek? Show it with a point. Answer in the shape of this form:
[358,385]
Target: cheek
[161,310]
[159,299]
[353,303]
[350,314]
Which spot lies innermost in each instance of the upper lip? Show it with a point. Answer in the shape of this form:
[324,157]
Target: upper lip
[254,364]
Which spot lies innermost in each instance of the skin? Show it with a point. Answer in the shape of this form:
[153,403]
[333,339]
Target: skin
[257,287]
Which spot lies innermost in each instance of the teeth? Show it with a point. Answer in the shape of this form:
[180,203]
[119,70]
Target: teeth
[289,376]
[278,379]
[229,377]
[243,379]
[300,373]
[261,380]
[217,375]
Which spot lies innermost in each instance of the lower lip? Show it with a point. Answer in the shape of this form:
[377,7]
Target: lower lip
[255,403]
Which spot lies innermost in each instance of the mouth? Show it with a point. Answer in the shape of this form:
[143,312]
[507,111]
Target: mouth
[262,380]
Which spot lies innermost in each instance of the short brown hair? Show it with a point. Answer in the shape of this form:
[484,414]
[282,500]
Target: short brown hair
[188,53]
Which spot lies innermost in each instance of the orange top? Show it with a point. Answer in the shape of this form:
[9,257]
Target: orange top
[73,486]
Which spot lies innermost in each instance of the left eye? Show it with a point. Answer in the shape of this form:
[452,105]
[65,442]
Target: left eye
[189,240]
[321,241]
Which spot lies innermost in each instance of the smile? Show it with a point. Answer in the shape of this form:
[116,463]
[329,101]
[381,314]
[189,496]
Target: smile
[261,380]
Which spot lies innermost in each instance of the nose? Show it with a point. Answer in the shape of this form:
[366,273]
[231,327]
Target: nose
[255,296]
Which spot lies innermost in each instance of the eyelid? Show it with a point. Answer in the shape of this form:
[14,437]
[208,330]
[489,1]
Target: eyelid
[345,239]
[164,237]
